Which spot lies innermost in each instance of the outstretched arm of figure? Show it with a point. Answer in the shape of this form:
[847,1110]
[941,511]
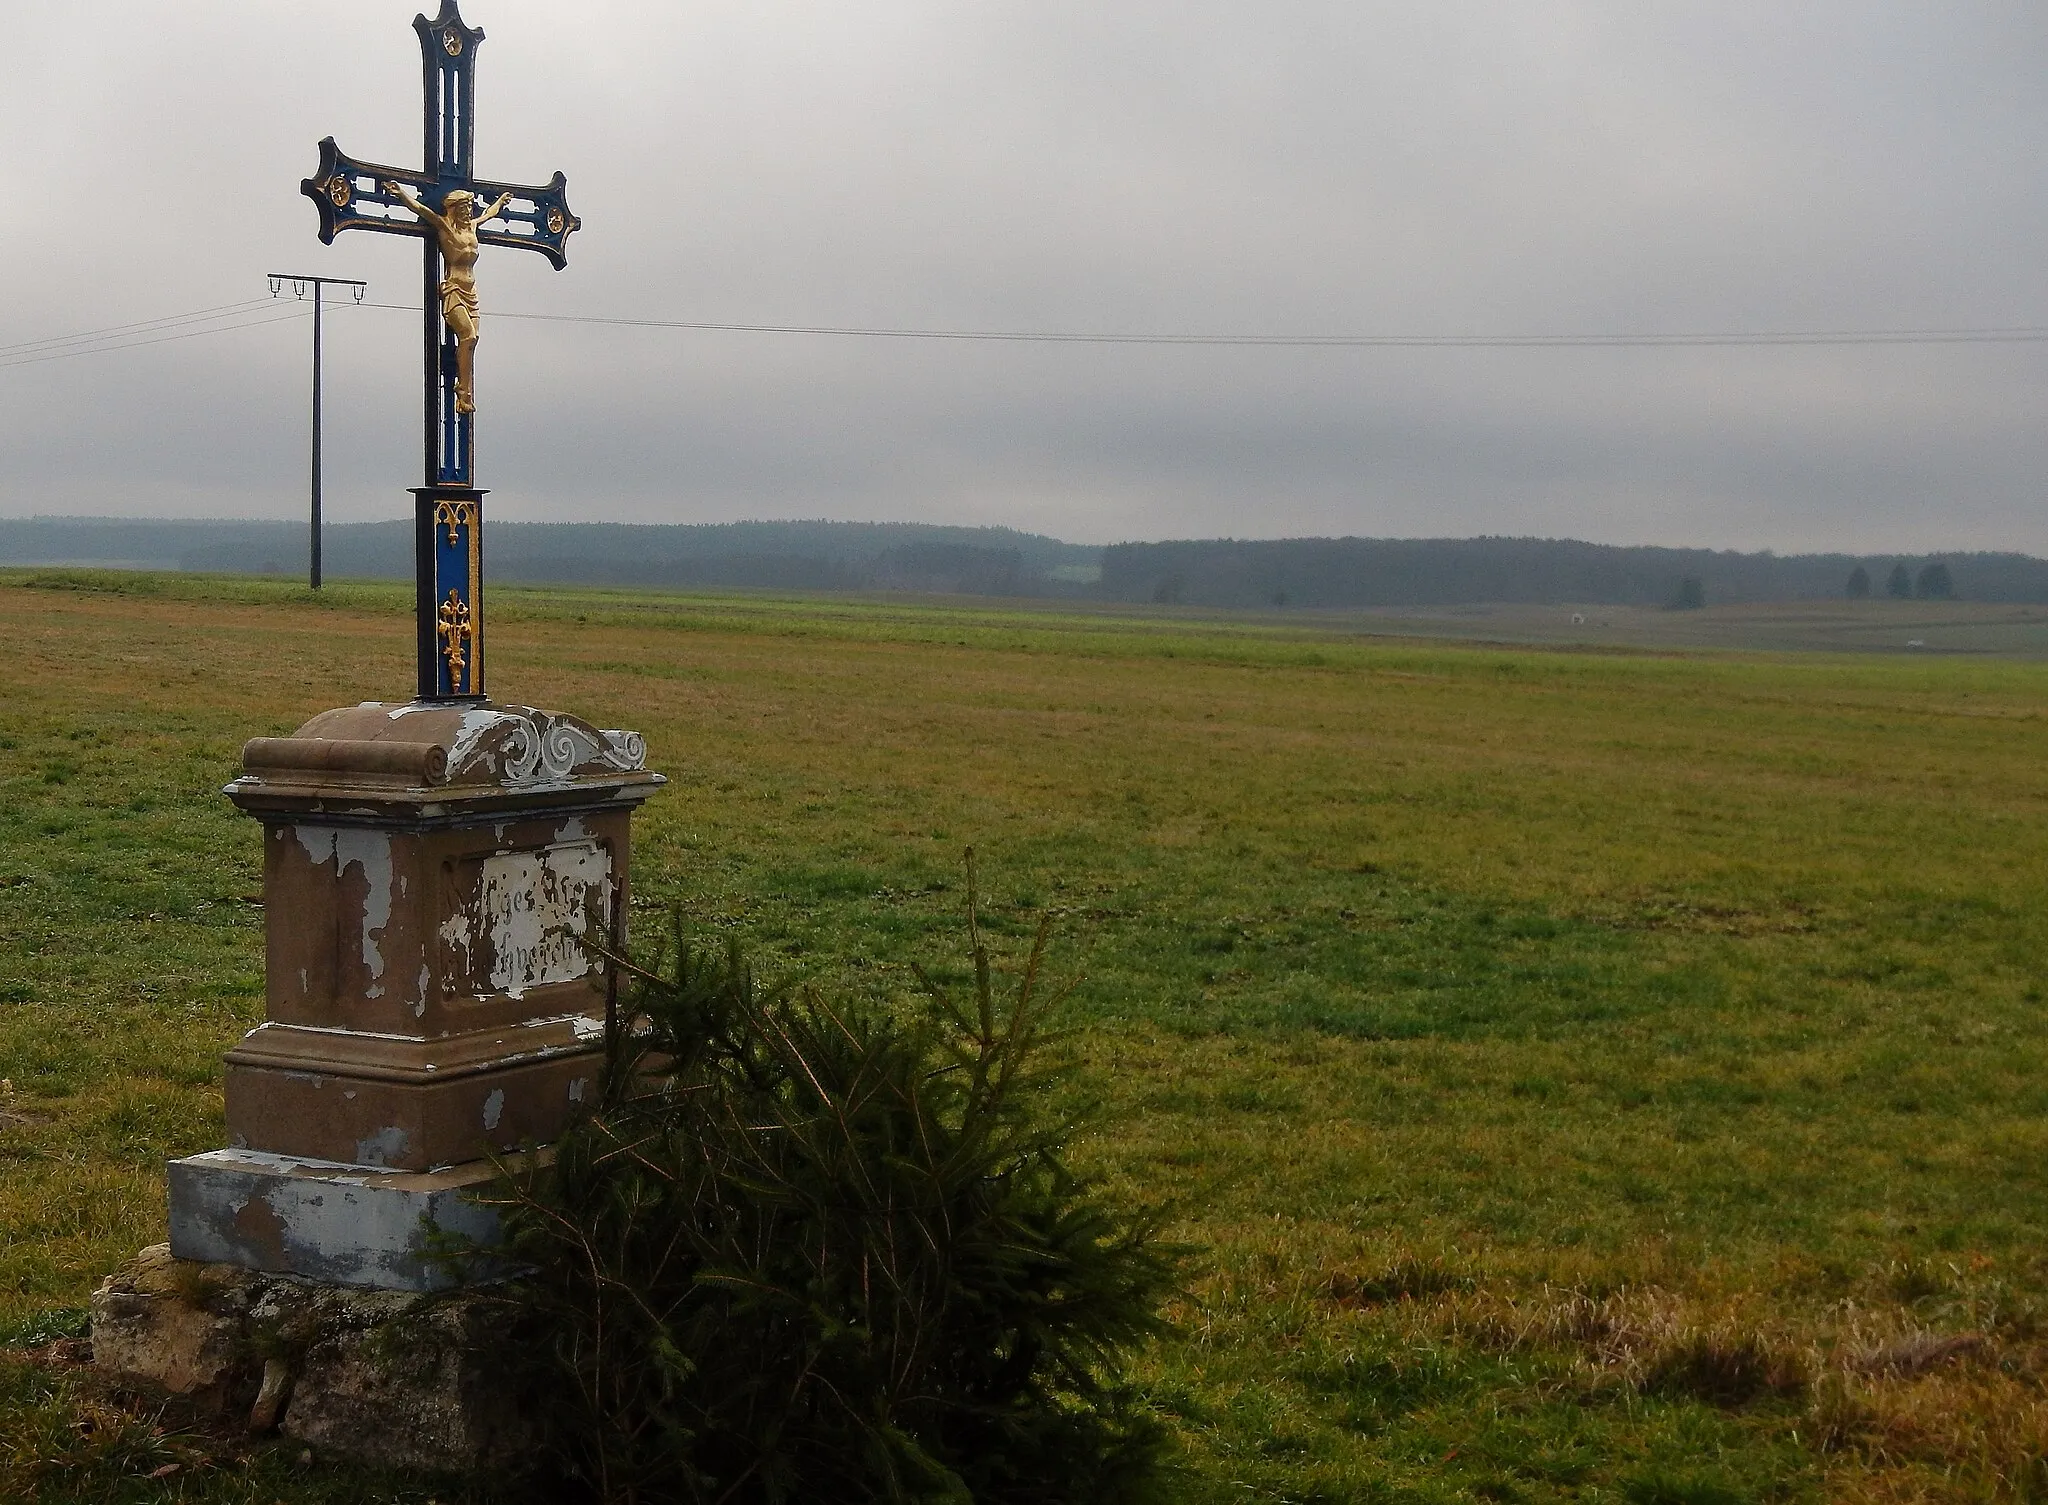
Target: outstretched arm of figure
[496,207]
[404,196]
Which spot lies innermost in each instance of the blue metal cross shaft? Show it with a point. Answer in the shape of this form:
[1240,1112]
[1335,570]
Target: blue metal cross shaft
[350,194]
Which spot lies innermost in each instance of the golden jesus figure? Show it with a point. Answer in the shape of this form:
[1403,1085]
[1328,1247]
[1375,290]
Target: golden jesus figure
[455,228]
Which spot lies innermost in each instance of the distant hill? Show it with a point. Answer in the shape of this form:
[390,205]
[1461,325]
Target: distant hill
[784,555]
[1369,572]
[1328,573]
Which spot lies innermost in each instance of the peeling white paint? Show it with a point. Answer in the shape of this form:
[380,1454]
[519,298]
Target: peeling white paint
[576,1089]
[352,846]
[330,1029]
[372,850]
[582,1025]
[546,1052]
[382,1147]
[419,1004]
[340,1224]
[494,1109]
[455,935]
[470,731]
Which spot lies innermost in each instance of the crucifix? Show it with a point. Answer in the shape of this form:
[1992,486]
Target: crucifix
[455,213]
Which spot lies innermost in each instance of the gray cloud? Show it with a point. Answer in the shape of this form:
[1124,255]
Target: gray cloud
[1291,167]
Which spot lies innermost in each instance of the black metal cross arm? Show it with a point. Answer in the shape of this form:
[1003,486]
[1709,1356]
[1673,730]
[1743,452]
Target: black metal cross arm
[349,194]
[537,219]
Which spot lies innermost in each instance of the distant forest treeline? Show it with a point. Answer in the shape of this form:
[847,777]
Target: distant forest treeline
[1354,572]
[1261,574]
[776,555]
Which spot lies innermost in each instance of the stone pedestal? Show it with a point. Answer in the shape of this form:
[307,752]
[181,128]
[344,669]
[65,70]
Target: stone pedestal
[432,875]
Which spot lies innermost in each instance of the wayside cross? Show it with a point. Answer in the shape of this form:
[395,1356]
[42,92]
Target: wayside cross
[455,213]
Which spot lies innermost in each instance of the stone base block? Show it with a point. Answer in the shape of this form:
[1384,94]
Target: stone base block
[377,1376]
[348,1225]
[409,1105]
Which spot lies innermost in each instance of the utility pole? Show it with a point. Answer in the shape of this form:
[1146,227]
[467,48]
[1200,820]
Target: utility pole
[299,286]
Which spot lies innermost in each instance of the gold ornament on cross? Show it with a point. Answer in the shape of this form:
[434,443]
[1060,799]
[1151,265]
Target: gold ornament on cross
[456,629]
[453,516]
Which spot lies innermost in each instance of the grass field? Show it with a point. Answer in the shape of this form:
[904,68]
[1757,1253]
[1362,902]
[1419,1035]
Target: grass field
[1929,628]
[1604,1075]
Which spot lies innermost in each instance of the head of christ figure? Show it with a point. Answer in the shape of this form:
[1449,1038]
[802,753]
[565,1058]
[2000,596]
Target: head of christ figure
[459,204]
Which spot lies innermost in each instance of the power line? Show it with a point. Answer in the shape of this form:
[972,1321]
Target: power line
[190,334]
[140,326]
[2020,335]
[125,336]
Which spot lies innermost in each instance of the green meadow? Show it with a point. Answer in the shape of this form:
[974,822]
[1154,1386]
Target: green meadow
[1590,1073]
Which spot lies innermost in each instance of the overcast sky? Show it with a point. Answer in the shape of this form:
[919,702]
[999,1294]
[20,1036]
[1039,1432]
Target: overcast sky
[1137,166]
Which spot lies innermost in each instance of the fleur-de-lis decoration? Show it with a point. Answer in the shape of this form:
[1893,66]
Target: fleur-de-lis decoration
[455,636]
[454,515]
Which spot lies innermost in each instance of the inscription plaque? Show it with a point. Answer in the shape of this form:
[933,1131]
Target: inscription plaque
[530,915]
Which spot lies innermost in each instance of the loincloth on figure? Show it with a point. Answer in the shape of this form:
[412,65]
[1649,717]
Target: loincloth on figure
[454,295]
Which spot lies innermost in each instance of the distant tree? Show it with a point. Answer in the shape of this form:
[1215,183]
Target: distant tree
[1934,584]
[1900,586]
[1692,595]
[949,567]
[1859,584]
[1170,589]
